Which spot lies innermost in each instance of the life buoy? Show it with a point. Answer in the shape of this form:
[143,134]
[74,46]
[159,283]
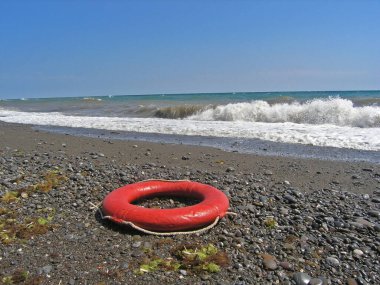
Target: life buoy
[117,205]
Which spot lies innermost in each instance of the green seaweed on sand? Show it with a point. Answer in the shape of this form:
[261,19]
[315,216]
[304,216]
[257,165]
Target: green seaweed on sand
[270,223]
[51,179]
[20,276]
[10,197]
[190,257]
[205,258]
[154,264]
[199,253]
[13,229]
[211,267]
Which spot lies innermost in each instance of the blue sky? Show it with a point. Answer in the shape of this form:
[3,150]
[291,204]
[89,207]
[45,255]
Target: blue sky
[90,48]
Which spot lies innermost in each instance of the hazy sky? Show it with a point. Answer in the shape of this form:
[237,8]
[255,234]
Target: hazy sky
[88,48]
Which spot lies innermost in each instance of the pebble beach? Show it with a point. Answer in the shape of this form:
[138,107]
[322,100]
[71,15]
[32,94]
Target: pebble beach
[295,221]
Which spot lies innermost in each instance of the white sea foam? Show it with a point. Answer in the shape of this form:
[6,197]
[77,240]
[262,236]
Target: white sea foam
[91,99]
[336,111]
[319,135]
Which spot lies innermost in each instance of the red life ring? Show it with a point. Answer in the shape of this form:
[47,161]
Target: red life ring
[117,205]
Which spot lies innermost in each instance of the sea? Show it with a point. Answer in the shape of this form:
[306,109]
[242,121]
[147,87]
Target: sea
[337,125]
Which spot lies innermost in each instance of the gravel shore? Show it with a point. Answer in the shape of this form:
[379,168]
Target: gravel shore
[298,221]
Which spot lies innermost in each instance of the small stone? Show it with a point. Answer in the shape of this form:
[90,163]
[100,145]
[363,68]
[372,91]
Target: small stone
[315,281]
[338,224]
[351,281]
[325,227]
[268,172]
[269,262]
[125,265]
[286,265]
[183,272]
[147,245]
[368,169]
[230,169]
[364,222]
[46,269]
[332,261]
[101,154]
[301,278]
[329,219]
[71,281]
[290,198]
[135,146]
[284,211]
[185,157]
[297,193]
[251,208]
[373,213]
[263,199]
[136,244]
[325,281]
[205,277]
[358,252]
[361,281]
[289,247]
[356,225]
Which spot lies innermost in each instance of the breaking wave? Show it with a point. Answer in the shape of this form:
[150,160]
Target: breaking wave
[178,112]
[319,135]
[335,111]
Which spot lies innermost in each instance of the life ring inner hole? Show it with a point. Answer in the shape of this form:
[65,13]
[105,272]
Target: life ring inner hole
[166,201]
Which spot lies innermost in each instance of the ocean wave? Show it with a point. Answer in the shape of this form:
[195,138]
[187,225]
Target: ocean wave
[178,112]
[319,135]
[335,111]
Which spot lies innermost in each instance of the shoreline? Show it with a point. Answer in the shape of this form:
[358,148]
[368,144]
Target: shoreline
[303,172]
[295,218]
[241,145]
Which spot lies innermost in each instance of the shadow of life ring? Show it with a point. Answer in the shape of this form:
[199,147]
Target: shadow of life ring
[118,208]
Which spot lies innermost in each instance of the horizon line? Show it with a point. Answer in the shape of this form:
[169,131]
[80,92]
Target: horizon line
[193,93]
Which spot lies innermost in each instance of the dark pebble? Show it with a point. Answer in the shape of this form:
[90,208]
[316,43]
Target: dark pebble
[290,198]
[301,278]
